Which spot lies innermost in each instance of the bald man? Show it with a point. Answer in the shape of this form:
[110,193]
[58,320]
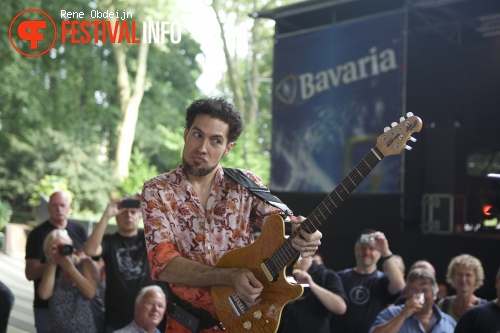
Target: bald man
[59,207]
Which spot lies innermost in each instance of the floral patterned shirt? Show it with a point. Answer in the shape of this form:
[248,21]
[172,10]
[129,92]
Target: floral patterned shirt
[176,224]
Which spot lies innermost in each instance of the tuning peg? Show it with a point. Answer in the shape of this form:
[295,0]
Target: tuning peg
[408,147]
[412,139]
[401,119]
[386,129]
[409,114]
[394,124]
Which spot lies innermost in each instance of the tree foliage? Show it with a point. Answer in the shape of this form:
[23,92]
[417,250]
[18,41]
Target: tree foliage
[248,79]
[60,113]
[47,185]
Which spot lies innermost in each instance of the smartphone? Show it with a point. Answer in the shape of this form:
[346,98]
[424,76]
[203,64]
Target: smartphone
[130,203]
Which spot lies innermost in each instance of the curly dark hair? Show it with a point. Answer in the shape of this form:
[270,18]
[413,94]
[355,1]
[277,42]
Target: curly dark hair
[217,108]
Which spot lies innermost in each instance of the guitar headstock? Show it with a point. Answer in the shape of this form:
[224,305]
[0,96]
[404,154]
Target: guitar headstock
[394,139]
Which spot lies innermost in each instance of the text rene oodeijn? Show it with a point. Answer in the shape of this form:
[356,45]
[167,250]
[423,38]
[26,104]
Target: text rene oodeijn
[94,13]
[152,31]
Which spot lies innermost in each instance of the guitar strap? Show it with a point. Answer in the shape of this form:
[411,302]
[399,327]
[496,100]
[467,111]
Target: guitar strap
[262,193]
[191,317]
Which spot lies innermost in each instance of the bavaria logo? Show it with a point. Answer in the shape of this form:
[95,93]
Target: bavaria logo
[286,89]
[308,84]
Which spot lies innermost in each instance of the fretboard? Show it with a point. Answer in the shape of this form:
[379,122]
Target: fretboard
[285,253]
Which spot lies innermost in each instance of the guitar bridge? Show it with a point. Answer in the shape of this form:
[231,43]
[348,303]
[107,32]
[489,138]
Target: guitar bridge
[238,305]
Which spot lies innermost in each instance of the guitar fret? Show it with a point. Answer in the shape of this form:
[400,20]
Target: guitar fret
[345,188]
[326,206]
[288,250]
[308,223]
[352,180]
[318,221]
[322,214]
[282,263]
[331,200]
[355,176]
[367,164]
[279,263]
[374,152]
[349,187]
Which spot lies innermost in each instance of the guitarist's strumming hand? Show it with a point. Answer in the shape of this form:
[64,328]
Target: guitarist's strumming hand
[247,287]
[307,244]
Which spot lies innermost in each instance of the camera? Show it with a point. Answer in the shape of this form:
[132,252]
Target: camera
[367,239]
[130,203]
[65,249]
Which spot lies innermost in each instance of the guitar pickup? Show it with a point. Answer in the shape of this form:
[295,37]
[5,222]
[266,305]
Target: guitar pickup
[238,305]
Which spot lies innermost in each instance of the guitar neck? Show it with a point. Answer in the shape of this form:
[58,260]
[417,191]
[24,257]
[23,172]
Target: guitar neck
[286,253]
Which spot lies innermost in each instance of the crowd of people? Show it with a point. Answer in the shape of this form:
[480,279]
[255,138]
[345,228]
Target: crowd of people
[158,279]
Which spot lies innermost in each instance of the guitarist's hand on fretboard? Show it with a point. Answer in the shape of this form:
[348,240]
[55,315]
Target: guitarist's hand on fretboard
[306,243]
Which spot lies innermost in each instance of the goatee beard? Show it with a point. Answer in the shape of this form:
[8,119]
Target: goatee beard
[196,171]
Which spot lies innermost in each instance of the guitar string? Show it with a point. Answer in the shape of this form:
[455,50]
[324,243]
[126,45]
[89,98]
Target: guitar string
[286,252]
[282,258]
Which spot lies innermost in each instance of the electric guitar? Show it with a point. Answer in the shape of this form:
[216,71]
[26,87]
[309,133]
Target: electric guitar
[271,252]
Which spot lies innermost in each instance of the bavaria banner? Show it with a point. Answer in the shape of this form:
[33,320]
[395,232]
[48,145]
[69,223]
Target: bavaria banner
[335,90]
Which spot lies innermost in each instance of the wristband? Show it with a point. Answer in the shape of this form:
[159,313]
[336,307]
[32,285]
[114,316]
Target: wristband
[388,257]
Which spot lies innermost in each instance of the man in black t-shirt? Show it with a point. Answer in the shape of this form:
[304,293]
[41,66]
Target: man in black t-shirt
[368,289]
[327,296]
[59,206]
[126,262]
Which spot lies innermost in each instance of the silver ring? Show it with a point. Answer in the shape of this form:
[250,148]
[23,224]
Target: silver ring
[305,250]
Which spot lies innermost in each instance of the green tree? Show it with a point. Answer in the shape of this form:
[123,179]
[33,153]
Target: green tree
[140,171]
[248,77]
[59,113]
[48,185]
[5,210]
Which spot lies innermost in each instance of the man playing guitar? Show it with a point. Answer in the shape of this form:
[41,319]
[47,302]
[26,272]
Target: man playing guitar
[195,214]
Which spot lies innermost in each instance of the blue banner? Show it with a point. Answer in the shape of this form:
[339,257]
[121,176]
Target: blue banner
[335,90]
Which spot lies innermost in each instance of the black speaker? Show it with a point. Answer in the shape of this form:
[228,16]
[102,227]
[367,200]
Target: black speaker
[445,160]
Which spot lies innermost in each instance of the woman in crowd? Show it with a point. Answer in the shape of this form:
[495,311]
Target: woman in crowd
[70,283]
[465,274]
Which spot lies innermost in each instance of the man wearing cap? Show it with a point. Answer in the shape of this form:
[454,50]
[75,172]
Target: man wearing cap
[368,289]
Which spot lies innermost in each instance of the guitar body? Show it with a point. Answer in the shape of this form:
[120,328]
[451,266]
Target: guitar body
[264,316]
